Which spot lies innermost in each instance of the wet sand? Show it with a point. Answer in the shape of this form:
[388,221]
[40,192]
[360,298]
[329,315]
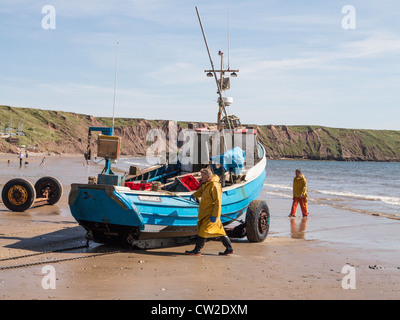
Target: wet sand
[300,259]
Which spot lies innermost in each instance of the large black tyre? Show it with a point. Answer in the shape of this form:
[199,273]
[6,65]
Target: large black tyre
[49,187]
[18,195]
[257,221]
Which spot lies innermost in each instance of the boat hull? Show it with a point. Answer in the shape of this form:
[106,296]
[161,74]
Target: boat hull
[121,206]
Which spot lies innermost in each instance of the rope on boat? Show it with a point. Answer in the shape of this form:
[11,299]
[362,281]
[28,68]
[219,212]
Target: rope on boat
[224,215]
[177,195]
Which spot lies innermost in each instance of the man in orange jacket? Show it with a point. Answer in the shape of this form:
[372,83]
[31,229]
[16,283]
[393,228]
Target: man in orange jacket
[299,194]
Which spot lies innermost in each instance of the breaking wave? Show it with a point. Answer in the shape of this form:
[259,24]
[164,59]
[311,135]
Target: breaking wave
[393,201]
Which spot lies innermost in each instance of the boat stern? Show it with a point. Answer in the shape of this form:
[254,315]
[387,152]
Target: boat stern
[95,206]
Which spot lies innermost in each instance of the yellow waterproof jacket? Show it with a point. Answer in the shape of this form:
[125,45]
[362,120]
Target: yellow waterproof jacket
[210,205]
[299,187]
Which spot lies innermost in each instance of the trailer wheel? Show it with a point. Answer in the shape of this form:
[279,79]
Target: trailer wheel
[257,221]
[49,187]
[18,195]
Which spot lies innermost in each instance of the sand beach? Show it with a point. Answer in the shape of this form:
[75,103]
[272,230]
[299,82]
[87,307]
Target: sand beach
[301,259]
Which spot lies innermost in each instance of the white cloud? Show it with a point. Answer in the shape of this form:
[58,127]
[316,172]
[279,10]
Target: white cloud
[376,44]
[179,73]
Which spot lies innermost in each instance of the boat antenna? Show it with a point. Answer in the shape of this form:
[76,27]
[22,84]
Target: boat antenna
[221,101]
[229,23]
[115,88]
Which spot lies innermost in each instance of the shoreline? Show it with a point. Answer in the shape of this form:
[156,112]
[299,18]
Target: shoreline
[46,153]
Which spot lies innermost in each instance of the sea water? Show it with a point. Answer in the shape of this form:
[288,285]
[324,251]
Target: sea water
[364,187]
[351,203]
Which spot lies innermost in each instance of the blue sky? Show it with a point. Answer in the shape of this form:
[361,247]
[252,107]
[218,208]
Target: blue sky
[298,65]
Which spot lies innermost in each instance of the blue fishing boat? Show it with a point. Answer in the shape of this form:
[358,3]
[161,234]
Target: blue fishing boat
[154,203]
[113,211]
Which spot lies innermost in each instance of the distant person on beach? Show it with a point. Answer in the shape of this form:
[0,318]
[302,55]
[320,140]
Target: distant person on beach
[43,162]
[20,157]
[209,224]
[299,194]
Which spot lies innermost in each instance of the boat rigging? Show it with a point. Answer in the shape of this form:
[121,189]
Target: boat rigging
[223,83]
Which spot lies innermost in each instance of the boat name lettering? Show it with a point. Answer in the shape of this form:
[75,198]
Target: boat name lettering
[149,198]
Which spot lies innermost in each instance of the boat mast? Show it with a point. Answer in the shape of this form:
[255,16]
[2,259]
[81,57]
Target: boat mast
[221,85]
[115,88]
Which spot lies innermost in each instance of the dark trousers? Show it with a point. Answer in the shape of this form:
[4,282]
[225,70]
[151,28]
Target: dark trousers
[201,241]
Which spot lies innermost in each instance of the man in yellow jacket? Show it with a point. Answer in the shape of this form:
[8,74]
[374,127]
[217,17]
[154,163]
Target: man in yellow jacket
[209,224]
[299,194]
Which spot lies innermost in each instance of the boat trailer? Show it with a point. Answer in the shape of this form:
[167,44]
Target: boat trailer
[20,195]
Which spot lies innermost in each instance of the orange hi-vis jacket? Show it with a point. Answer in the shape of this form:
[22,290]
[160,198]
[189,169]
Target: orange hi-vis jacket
[300,187]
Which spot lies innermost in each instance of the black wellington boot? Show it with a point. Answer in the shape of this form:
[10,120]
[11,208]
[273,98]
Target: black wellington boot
[228,245]
[199,245]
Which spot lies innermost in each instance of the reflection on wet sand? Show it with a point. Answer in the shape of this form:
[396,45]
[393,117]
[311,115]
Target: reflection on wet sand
[301,232]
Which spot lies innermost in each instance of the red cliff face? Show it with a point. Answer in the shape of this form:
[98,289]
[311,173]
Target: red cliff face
[322,143]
